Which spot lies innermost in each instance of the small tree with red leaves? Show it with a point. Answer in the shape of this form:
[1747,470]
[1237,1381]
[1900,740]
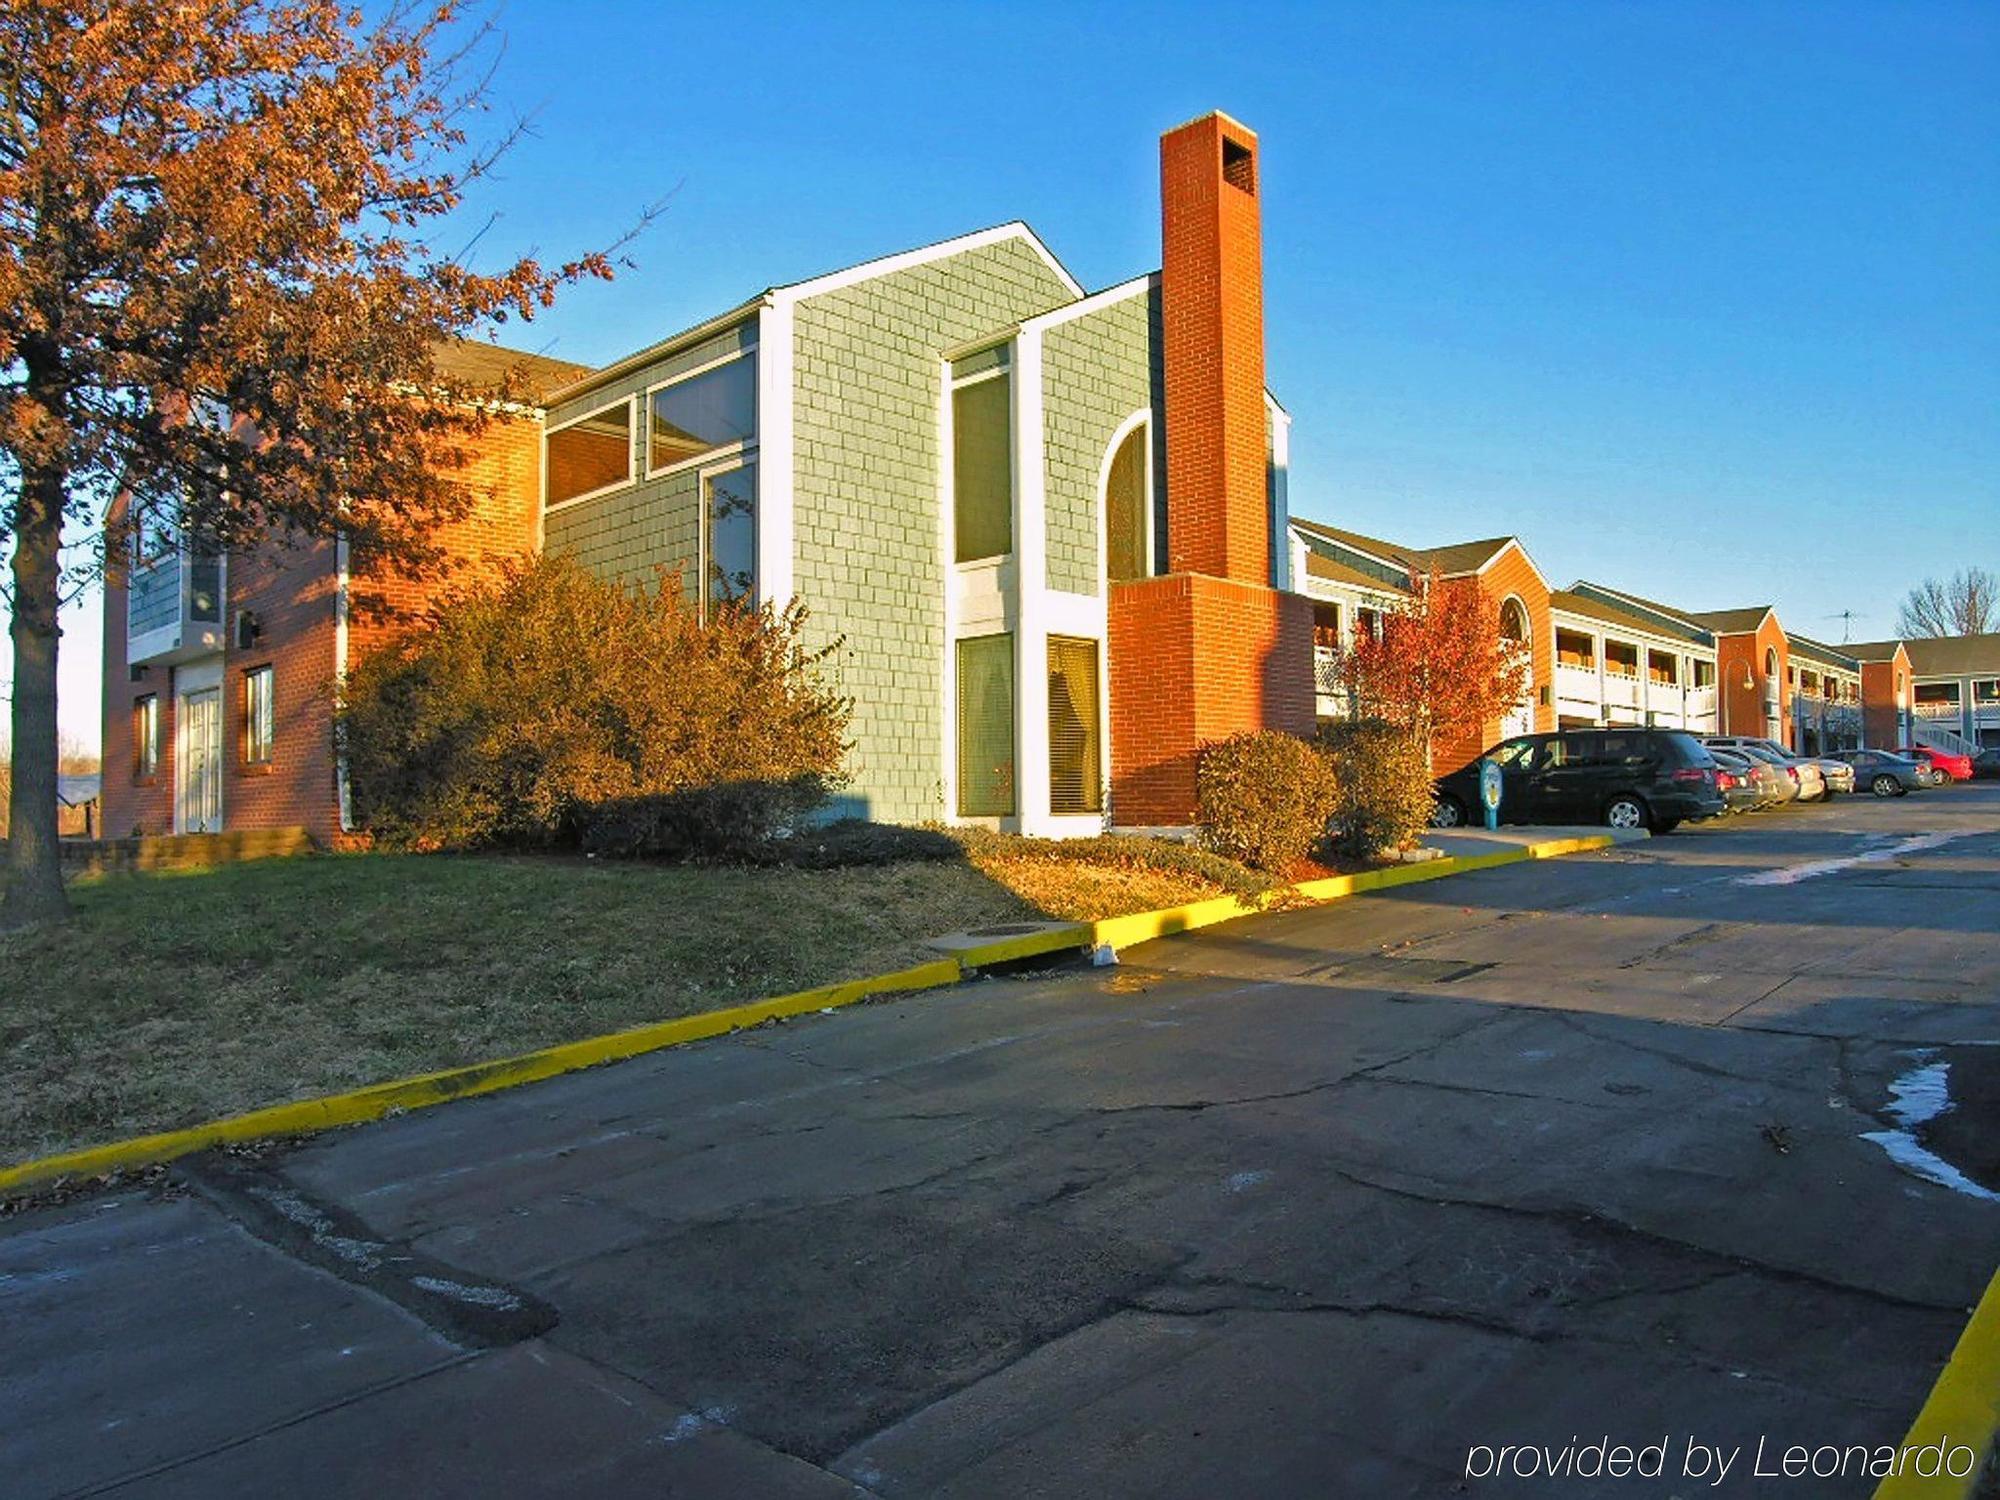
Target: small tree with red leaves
[1438,664]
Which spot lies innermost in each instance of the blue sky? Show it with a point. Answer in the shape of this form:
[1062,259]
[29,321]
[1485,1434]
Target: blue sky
[1699,299]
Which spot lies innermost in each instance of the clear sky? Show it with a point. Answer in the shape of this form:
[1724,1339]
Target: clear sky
[1695,298]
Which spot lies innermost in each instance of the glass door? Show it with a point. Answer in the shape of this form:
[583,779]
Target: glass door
[201,762]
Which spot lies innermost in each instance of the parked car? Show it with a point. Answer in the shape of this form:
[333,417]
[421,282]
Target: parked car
[1838,773]
[1951,765]
[1808,781]
[1884,774]
[1626,778]
[1740,780]
[1986,765]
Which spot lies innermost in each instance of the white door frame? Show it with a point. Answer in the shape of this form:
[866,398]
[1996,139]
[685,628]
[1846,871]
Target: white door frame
[196,680]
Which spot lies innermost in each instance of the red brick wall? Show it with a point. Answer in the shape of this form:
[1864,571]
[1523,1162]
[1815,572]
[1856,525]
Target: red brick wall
[1212,311]
[291,593]
[1881,724]
[1511,574]
[1740,710]
[1196,659]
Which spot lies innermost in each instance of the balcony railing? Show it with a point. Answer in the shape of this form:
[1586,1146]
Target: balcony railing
[1578,684]
[174,608]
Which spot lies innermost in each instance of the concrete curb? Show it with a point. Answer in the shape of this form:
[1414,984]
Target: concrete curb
[310,1116]
[1963,1408]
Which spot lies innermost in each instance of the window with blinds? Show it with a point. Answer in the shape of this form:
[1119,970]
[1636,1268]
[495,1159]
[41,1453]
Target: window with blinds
[1076,779]
[986,727]
[982,468]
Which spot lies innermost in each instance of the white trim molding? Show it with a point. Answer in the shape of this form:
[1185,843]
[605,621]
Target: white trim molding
[777,474]
[888,265]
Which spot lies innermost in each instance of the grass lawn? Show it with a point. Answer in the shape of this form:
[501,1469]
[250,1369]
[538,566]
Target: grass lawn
[176,997]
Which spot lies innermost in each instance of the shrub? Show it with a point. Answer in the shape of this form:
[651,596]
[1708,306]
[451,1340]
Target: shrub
[1383,798]
[551,702]
[1263,799]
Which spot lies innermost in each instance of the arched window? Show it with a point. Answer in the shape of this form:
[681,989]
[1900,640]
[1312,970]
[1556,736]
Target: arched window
[1771,662]
[1128,505]
[1514,619]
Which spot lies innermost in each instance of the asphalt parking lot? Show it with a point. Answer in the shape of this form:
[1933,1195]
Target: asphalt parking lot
[1316,1203]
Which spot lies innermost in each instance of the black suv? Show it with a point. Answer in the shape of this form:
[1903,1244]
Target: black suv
[1628,778]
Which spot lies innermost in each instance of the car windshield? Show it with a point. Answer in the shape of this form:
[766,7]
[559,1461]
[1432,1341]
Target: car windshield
[1511,756]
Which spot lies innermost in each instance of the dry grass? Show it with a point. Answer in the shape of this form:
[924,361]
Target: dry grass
[1082,892]
[174,998]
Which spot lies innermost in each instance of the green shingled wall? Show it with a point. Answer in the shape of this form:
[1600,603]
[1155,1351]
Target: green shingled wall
[867,383]
[654,523]
[1096,371]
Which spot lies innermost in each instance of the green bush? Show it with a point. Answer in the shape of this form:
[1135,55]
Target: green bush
[1263,799]
[551,703]
[1383,781]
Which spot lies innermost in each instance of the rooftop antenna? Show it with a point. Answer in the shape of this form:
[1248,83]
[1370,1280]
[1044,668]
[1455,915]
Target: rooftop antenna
[1846,618]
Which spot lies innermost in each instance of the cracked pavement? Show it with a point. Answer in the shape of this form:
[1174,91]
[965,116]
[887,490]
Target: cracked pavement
[1307,1203]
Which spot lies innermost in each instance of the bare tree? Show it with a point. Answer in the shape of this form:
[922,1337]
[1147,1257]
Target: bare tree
[1967,603]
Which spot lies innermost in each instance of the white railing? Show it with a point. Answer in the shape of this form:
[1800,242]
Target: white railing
[1940,738]
[1620,691]
[1938,710]
[1701,703]
[1578,684]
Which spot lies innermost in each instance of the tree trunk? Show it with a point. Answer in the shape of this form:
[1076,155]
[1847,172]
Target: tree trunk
[34,890]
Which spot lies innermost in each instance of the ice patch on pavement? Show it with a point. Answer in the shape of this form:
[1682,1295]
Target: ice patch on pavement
[477,1296]
[1915,1099]
[1240,1182]
[1793,874]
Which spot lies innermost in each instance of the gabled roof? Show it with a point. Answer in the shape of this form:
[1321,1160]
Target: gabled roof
[1641,622]
[1669,614]
[1873,650]
[1743,621]
[1321,566]
[486,366]
[1450,560]
[816,285]
[1954,655]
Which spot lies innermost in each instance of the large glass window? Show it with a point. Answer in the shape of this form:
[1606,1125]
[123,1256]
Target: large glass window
[701,413]
[729,533]
[260,716]
[1076,780]
[589,455]
[986,727]
[982,468]
[1126,503]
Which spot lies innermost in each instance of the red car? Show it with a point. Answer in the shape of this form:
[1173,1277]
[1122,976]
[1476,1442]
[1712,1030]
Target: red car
[1955,767]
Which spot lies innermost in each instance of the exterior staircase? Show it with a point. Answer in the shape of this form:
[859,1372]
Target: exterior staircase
[1940,738]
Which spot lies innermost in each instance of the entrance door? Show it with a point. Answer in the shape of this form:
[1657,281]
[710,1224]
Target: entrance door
[201,762]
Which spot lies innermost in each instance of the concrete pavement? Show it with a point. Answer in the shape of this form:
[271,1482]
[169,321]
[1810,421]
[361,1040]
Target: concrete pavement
[1314,1203]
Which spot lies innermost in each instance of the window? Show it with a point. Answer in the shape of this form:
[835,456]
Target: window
[982,468]
[260,718]
[1076,779]
[1128,504]
[1514,755]
[590,455]
[204,596]
[1986,692]
[986,727]
[1326,626]
[699,413]
[729,533]
[146,736]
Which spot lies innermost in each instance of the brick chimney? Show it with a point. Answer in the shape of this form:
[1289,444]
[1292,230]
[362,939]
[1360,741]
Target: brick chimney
[1210,649]
[1212,317]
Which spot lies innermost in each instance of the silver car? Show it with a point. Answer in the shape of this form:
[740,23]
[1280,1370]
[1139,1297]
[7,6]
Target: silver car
[1808,781]
[1838,773]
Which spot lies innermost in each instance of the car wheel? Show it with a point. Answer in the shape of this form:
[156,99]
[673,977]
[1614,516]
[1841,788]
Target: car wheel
[1887,786]
[1446,812]
[1625,812]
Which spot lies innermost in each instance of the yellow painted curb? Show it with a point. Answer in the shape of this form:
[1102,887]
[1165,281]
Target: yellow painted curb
[306,1116]
[1028,945]
[1963,1409]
